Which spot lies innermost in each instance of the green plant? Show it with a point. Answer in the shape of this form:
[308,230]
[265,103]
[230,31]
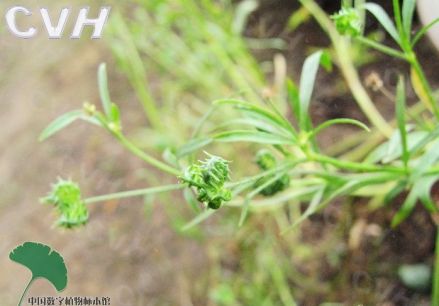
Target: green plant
[400,157]
[348,19]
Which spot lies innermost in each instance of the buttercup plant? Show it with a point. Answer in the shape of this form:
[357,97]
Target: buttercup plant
[293,168]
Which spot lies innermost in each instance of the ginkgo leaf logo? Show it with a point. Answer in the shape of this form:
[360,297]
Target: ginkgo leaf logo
[43,262]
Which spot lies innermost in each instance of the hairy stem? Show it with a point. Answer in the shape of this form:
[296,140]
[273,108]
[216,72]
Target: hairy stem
[133,193]
[146,157]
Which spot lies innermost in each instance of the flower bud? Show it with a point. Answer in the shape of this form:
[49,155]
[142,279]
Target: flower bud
[348,22]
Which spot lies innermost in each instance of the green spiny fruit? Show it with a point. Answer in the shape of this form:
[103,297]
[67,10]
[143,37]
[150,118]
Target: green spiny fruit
[209,178]
[348,22]
[66,197]
[266,161]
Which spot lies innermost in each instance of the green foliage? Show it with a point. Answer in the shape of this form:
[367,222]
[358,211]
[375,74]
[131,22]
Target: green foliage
[209,178]
[67,200]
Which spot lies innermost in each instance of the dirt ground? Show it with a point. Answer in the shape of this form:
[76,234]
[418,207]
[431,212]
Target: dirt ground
[122,254]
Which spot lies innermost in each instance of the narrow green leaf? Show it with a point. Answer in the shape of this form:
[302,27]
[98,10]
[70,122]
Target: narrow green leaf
[199,219]
[434,134]
[332,122]
[311,209]
[243,12]
[260,125]
[294,99]
[408,10]
[392,149]
[114,113]
[192,146]
[384,19]
[60,123]
[400,117]
[103,89]
[430,157]
[307,80]
[424,192]
[421,190]
[257,111]
[423,31]
[251,136]
[326,60]
[256,191]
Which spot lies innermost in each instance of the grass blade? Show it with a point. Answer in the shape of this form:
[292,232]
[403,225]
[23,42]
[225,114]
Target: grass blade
[192,146]
[103,89]
[311,209]
[60,123]
[198,219]
[423,31]
[294,99]
[260,112]
[408,10]
[332,122]
[307,80]
[384,19]
[400,117]
[252,136]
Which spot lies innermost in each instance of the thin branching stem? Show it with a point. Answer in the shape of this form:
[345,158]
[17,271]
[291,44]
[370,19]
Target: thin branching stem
[133,193]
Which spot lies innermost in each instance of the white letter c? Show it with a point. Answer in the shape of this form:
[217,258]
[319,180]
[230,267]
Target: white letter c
[10,19]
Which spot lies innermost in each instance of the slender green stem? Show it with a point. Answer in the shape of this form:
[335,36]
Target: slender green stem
[133,193]
[25,291]
[423,31]
[145,157]
[353,165]
[435,297]
[380,47]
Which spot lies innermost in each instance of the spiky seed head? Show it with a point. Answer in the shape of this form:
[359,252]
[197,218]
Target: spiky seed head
[348,22]
[66,197]
[209,177]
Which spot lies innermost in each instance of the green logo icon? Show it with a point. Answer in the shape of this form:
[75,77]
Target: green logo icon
[43,262]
